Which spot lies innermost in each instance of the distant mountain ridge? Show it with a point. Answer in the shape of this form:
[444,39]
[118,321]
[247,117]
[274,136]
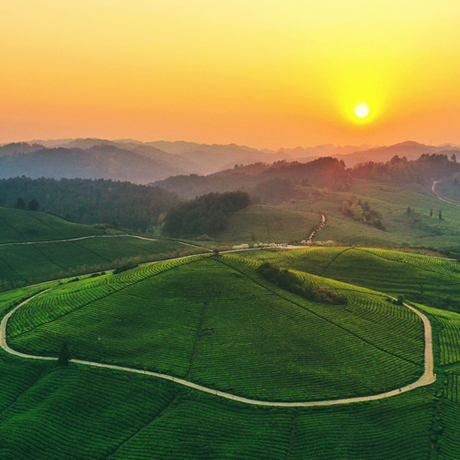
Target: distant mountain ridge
[146,162]
[409,149]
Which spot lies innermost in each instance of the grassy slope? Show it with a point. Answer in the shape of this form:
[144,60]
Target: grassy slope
[449,189]
[24,264]
[217,322]
[269,224]
[391,200]
[18,226]
[419,278]
[110,415]
[104,414]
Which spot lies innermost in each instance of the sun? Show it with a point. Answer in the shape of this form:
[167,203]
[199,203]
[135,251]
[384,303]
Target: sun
[362,110]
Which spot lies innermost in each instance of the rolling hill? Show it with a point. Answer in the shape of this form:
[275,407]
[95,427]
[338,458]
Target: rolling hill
[216,322]
[36,246]
[205,309]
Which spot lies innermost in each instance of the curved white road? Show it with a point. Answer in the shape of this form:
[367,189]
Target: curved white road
[427,377]
[440,197]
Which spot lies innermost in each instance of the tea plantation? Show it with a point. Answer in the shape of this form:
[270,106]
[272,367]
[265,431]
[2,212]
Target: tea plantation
[430,280]
[216,321]
[33,248]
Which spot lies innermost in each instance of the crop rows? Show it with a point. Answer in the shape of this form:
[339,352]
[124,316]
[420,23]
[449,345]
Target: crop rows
[95,413]
[449,442]
[88,414]
[377,314]
[225,327]
[453,387]
[42,261]
[445,267]
[395,429]
[448,335]
[19,226]
[72,296]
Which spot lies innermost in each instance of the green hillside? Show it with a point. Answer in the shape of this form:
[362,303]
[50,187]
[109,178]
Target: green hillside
[269,224]
[215,321]
[36,246]
[430,280]
[19,226]
[104,414]
[292,220]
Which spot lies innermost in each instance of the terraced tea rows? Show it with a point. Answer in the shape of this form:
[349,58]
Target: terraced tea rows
[448,428]
[107,415]
[211,320]
[449,339]
[448,334]
[453,387]
[423,279]
[72,296]
[104,414]
[372,308]
[19,226]
[36,262]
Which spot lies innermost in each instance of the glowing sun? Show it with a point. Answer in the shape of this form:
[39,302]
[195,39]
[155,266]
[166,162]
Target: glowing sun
[362,110]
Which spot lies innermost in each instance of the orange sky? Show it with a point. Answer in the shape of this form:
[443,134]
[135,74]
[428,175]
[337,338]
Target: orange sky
[264,73]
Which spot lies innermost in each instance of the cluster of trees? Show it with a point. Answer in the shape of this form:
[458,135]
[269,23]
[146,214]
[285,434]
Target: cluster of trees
[205,215]
[88,201]
[362,212]
[32,206]
[289,281]
[401,170]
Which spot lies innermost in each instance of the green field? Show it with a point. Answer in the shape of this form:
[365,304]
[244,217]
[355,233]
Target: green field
[18,226]
[216,322]
[104,414]
[284,223]
[269,224]
[88,249]
[431,280]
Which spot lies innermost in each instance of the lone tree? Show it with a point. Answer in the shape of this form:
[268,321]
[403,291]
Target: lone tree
[431,212]
[408,210]
[20,204]
[33,205]
[440,214]
[64,355]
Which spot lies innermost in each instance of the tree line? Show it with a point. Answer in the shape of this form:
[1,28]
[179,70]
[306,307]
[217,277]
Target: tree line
[206,215]
[135,207]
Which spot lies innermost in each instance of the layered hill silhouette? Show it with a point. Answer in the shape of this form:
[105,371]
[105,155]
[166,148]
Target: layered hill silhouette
[144,162]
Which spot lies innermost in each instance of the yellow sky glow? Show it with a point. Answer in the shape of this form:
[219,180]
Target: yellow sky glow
[262,73]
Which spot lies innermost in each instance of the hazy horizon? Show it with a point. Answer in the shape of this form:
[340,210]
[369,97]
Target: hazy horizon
[363,146]
[261,74]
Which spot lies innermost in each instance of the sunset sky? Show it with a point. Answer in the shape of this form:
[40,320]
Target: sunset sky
[263,73]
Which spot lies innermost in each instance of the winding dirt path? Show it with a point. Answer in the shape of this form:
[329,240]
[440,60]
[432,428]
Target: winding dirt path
[318,228]
[427,377]
[440,197]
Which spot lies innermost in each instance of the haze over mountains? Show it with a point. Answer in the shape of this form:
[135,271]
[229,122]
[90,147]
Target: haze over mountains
[145,162]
